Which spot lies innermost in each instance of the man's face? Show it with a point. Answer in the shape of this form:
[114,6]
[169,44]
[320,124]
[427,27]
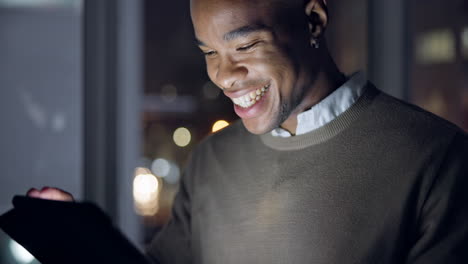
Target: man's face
[254,57]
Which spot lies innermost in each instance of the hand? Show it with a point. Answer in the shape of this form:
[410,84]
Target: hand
[49,193]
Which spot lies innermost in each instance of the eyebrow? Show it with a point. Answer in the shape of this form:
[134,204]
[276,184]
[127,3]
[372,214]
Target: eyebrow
[245,31]
[240,32]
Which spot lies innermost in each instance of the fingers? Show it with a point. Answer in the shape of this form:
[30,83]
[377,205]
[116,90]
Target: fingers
[33,192]
[50,193]
[55,194]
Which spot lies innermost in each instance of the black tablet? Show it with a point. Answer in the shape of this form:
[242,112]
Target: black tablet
[67,232]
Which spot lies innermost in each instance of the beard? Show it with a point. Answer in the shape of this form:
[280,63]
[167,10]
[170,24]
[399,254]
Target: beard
[289,107]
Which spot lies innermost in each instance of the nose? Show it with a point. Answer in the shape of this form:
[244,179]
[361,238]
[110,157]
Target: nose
[229,72]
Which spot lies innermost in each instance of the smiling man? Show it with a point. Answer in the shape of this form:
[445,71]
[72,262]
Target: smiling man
[259,53]
[324,168]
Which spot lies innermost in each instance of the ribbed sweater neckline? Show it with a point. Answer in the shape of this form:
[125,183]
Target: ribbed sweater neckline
[327,131]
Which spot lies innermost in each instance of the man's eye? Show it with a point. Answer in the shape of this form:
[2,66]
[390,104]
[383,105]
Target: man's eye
[247,47]
[209,53]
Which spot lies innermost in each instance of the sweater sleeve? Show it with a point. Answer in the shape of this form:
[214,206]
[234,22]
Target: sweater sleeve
[443,227]
[173,243]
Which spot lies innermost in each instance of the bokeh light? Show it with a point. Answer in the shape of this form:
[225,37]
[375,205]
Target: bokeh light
[161,167]
[182,137]
[167,170]
[146,189]
[464,39]
[174,174]
[437,46]
[218,125]
[169,93]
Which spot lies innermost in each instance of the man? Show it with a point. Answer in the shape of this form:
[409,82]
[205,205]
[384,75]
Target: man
[323,168]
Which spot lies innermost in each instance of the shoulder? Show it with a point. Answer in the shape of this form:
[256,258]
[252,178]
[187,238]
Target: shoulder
[406,133]
[407,120]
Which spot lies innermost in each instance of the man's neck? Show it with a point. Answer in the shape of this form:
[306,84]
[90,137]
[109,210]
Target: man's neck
[328,80]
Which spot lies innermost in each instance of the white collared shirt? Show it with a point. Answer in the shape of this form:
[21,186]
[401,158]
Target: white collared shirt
[329,108]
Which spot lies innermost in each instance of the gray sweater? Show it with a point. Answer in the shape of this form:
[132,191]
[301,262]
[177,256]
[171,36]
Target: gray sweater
[385,182]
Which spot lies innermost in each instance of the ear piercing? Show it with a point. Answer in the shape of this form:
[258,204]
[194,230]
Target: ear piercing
[314,21]
[314,43]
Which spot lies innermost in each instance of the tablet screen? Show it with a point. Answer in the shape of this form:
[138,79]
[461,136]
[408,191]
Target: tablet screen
[13,253]
[67,232]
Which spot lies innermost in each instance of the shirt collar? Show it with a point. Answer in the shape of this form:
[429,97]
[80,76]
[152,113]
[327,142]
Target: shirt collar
[329,108]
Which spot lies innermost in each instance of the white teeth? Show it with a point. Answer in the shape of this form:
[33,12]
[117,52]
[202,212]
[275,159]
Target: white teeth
[251,98]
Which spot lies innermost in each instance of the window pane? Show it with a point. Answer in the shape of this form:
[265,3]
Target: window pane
[40,80]
[438,70]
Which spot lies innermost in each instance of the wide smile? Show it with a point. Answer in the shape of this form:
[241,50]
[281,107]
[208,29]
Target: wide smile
[250,99]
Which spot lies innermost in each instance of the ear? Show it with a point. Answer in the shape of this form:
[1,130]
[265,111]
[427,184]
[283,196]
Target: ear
[317,13]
